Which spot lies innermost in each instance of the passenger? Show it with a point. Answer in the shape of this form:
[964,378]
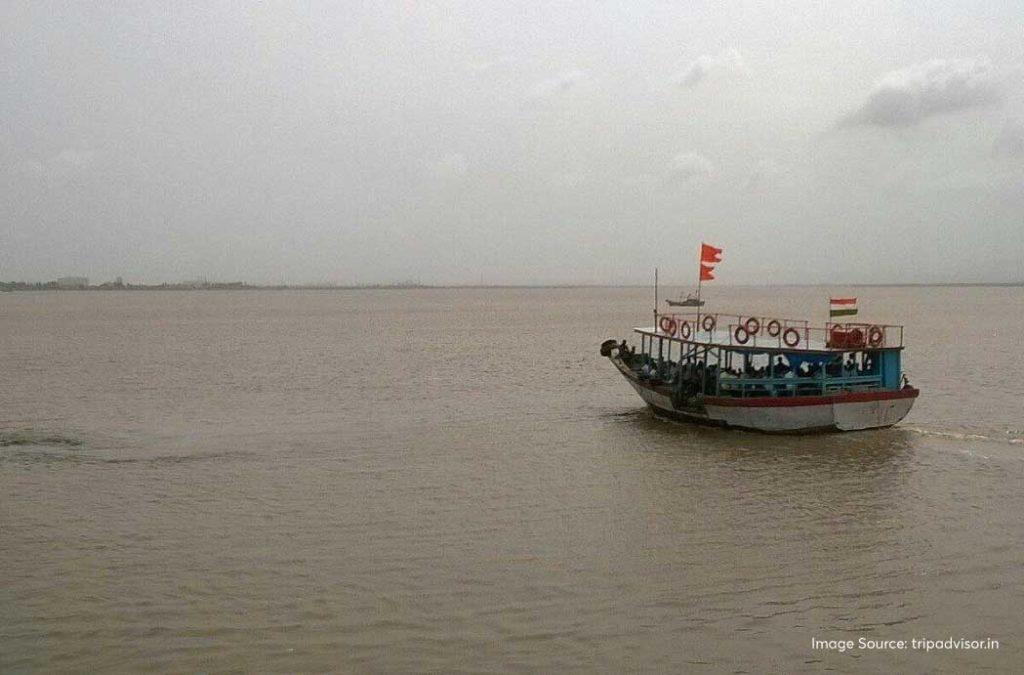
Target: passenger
[850,369]
[780,368]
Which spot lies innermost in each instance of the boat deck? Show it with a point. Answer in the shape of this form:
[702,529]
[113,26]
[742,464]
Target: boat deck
[737,332]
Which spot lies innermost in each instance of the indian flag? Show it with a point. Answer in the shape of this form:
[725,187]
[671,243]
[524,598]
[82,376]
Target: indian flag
[842,307]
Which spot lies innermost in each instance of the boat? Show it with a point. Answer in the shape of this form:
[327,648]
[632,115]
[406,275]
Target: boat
[768,374]
[688,301]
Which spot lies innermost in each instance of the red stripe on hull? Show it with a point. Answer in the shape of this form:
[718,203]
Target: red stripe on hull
[792,401]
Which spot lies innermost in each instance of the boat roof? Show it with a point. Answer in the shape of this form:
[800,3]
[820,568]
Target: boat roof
[738,332]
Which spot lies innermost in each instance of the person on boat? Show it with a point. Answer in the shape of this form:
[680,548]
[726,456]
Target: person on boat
[781,368]
[850,369]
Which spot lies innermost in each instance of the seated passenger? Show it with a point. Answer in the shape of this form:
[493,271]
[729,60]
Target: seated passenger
[780,368]
[850,369]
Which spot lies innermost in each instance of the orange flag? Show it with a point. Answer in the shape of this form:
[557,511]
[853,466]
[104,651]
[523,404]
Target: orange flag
[705,273]
[710,254]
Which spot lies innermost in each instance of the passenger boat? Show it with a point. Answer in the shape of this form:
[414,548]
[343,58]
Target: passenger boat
[768,374]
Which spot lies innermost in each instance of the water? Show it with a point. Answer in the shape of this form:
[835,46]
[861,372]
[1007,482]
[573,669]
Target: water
[455,480]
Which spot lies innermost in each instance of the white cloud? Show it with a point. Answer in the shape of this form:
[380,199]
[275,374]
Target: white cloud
[762,173]
[453,167]
[690,166]
[31,168]
[78,159]
[907,96]
[728,61]
[1010,141]
[562,82]
[481,67]
[567,180]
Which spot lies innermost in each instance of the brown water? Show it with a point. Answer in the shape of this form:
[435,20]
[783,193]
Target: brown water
[454,480]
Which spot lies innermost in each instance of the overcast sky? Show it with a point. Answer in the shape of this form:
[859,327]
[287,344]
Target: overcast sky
[510,142]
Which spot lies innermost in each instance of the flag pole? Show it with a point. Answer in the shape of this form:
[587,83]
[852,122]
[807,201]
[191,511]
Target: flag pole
[655,298]
[700,278]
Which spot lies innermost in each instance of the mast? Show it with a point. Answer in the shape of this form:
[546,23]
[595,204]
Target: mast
[655,298]
[696,321]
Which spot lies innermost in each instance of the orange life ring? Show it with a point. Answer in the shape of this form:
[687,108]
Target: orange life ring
[774,328]
[876,336]
[752,325]
[667,325]
[741,331]
[708,323]
[796,337]
[684,330]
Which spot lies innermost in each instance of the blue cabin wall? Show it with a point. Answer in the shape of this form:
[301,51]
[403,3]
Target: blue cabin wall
[890,369]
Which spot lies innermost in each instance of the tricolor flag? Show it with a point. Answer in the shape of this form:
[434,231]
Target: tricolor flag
[842,307]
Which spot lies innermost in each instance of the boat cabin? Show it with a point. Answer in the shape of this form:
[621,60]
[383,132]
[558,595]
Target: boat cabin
[726,355]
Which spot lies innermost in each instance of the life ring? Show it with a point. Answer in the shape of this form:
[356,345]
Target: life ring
[667,325]
[752,325]
[837,335]
[708,323]
[774,328]
[741,334]
[684,330]
[791,332]
[876,336]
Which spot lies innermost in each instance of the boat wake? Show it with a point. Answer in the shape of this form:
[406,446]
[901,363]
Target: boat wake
[1010,436]
[33,437]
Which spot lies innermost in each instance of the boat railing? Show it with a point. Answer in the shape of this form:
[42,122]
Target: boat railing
[777,333]
[747,387]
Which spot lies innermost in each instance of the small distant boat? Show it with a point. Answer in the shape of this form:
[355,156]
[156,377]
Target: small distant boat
[688,301]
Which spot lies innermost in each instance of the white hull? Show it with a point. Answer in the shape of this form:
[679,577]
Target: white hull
[850,412]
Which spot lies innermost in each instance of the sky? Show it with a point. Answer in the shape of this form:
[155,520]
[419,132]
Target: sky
[512,143]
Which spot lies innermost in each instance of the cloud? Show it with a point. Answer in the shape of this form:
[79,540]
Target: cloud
[728,61]
[78,159]
[452,167]
[567,180]
[905,97]
[1010,141]
[31,168]
[560,83]
[690,166]
[481,67]
[762,173]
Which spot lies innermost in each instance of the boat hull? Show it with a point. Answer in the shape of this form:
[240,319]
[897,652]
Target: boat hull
[852,411]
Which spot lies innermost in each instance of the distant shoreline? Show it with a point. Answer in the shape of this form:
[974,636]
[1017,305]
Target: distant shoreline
[242,286]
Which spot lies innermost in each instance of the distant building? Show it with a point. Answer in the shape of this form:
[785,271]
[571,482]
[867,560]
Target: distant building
[72,282]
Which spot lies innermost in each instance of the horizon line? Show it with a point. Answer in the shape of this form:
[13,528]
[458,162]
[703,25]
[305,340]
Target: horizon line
[242,285]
